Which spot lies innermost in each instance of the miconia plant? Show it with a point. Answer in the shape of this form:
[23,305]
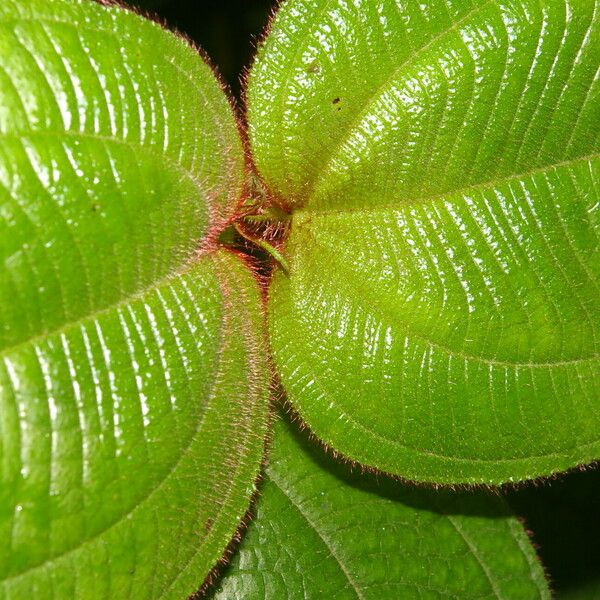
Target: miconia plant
[421,182]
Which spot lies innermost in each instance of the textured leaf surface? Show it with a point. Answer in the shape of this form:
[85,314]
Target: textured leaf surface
[440,160]
[321,532]
[132,372]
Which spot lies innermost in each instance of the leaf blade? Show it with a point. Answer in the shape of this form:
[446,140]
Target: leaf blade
[87,114]
[521,430]
[322,532]
[127,453]
[133,377]
[451,199]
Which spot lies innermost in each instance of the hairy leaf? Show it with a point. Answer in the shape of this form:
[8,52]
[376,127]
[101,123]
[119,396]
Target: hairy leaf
[133,396]
[440,159]
[321,532]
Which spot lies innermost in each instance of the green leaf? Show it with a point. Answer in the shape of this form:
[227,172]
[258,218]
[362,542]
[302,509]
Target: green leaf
[133,377]
[322,532]
[441,318]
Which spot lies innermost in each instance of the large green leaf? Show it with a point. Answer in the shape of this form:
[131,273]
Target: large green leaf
[133,378]
[440,160]
[321,532]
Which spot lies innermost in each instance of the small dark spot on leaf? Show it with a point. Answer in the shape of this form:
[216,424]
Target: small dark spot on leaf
[95,207]
[313,67]
[208,525]
[336,100]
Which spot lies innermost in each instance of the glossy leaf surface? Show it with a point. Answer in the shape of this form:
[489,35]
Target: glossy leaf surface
[133,379]
[321,532]
[441,318]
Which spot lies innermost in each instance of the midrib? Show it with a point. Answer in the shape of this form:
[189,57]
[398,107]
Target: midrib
[94,315]
[464,191]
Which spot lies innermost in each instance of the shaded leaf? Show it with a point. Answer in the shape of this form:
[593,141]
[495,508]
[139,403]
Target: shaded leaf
[440,159]
[133,379]
[321,532]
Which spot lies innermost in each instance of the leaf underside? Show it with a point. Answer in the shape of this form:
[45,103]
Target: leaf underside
[441,163]
[133,377]
[321,532]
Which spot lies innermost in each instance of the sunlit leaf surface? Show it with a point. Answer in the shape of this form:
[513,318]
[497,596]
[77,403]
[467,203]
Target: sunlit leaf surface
[440,160]
[132,364]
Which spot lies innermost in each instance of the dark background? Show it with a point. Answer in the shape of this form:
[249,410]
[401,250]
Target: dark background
[563,514]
